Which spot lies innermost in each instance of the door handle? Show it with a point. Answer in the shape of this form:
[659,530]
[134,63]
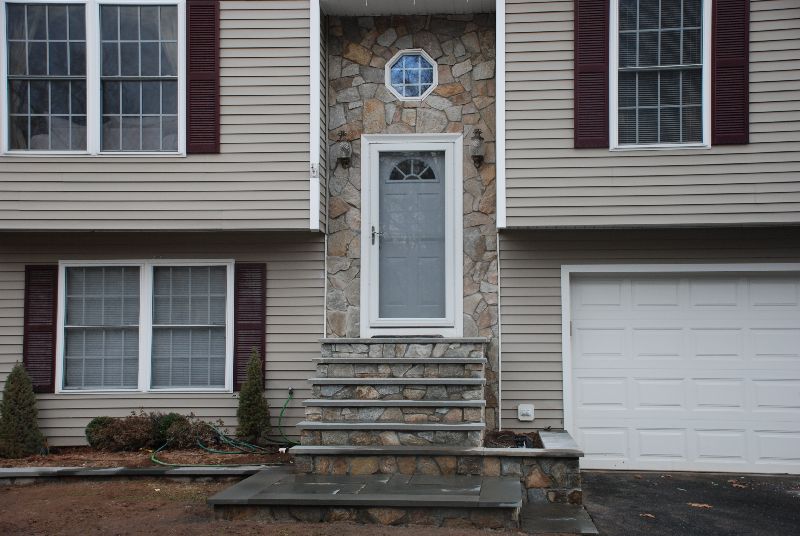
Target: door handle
[374,234]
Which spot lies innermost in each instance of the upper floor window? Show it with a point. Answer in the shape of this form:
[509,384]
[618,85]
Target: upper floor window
[94,76]
[661,96]
[411,75]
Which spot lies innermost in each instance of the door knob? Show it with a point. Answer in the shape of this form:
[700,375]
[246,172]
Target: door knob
[374,234]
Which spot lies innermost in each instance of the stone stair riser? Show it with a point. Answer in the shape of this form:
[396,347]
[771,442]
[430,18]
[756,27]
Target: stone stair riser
[479,518]
[544,479]
[391,438]
[411,415]
[400,370]
[432,349]
[398,392]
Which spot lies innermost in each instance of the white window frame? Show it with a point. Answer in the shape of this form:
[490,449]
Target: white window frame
[613,96]
[452,324]
[146,268]
[396,58]
[93,105]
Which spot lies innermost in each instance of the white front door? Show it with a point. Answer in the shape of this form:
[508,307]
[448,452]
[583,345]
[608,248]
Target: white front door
[411,235]
[692,371]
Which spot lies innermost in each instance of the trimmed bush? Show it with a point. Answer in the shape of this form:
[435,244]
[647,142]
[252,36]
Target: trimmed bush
[162,425]
[100,433]
[19,425]
[253,411]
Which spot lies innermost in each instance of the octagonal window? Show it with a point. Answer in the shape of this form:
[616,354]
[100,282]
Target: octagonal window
[411,75]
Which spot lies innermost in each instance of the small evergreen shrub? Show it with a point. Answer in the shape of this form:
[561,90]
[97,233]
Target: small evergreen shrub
[100,433]
[253,411]
[162,425]
[19,426]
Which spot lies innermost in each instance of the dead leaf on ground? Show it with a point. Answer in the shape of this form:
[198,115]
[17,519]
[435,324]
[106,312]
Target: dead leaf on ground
[700,505]
[736,484]
[648,516]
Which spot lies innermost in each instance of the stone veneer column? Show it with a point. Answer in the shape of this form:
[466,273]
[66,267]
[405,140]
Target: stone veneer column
[464,49]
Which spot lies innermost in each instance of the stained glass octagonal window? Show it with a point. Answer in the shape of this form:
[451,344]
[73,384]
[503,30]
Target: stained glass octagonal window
[411,74]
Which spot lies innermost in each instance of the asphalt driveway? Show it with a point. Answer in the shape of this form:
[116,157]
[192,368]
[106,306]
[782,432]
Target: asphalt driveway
[683,504]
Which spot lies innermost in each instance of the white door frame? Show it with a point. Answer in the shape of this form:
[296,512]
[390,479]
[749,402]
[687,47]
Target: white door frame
[567,270]
[371,146]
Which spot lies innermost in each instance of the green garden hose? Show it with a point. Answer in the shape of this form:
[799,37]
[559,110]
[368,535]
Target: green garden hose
[241,447]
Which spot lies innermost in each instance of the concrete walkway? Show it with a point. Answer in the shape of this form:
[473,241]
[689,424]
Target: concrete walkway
[625,503]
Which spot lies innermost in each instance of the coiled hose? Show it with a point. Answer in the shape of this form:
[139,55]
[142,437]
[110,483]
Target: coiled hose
[239,446]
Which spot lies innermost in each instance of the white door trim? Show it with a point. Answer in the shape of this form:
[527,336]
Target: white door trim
[567,270]
[452,324]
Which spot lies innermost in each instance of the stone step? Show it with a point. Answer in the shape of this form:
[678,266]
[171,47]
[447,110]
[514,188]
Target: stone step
[485,502]
[417,368]
[390,433]
[323,402]
[414,414]
[399,347]
[398,389]
[397,381]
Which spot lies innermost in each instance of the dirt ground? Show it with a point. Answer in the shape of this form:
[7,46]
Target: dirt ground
[88,457]
[161,507]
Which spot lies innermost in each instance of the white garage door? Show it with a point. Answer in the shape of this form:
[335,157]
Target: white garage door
[687,372]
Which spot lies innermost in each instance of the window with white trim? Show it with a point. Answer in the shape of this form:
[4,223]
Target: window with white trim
[659,48]
[146,326]
[98,76]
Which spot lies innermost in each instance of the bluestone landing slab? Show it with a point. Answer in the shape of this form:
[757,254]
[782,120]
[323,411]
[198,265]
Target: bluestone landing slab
[420,491]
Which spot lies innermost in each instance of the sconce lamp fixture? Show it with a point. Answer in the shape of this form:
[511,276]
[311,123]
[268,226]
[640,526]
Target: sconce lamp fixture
[477,149]
[344,151]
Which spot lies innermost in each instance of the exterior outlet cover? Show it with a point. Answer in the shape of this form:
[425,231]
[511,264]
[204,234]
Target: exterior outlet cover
[525,412]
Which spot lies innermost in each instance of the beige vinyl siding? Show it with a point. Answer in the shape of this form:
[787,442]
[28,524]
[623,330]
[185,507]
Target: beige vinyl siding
[295,298]
[260,180]
[549,183]
[530,296]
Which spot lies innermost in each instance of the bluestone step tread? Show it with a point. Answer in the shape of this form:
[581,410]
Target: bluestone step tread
[458,491]
[403,360]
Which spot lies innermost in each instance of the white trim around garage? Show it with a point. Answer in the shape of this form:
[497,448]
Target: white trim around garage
[500,112]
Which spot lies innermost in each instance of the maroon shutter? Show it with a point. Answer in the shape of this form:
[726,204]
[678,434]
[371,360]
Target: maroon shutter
[730,68]
[39,331]
[249,317]
[202,85]
[591,73]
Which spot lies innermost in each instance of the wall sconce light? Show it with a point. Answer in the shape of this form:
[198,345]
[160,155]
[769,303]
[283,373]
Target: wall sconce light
[477,149]
[344,151]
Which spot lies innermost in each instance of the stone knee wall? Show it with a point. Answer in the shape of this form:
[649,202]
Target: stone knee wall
[463,46]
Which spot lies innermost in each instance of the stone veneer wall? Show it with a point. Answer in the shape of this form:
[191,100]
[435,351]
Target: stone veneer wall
[464,49]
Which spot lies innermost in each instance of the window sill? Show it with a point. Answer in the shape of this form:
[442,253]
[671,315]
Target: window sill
[78,154]
[660,147]
[74,392]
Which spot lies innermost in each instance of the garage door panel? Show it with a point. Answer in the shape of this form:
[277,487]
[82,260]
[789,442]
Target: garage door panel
[687,372]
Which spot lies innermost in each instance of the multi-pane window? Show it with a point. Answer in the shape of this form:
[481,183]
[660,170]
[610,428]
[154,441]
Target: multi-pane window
[189,326]
[660,76]
[411,75]
[101,328]
[139,73]
[92,76]
[146,326]
[46,76]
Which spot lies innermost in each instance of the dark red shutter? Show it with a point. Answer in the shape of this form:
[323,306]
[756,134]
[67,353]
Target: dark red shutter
[591,73]
[39,331]
[202,85]
[249,317]
[730,67]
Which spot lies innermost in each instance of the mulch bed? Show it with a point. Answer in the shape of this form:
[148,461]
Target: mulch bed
[508,439]
[89,457]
